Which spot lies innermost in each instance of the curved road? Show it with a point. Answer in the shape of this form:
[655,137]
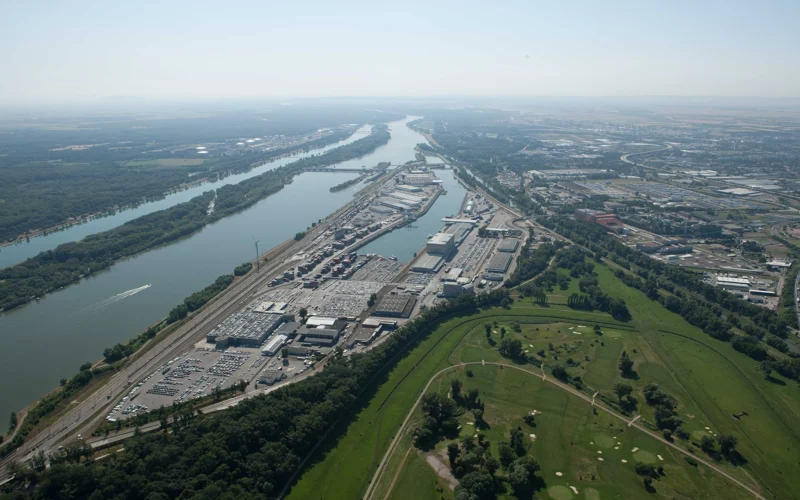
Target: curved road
[630,423]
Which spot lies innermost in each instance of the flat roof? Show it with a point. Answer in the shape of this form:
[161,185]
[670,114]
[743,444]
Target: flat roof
[508,245]
[393,304]
[441,238]
[275,342]
[739,281]
[427,262]
[499,263]
[315,321]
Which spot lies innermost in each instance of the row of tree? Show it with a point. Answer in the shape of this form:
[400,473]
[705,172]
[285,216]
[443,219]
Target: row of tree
[255,447]
[69,262]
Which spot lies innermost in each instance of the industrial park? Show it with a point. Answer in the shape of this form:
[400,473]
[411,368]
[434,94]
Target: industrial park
[328,296]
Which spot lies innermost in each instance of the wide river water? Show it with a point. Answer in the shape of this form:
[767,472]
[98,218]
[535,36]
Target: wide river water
[13,254]
[44,341]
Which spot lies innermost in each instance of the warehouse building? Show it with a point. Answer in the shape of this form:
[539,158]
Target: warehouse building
[413,203]
[499,263]
[326,322]
[459,230]
[274,345]
[508,245]
[737,284]
[393,203]
[399,306]
[408,189]
[428,263]
[440,243]
[406,197]
[317,336]
[245,329]
[423,179]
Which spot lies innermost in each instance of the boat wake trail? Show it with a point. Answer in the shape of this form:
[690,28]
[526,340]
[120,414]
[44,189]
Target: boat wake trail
[114,299]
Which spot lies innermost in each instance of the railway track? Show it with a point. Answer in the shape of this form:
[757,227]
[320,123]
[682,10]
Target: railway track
[87,414]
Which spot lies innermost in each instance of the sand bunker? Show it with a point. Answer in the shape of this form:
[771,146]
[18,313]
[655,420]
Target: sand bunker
[559,474]
[574,489]
[660,457]
[634,450]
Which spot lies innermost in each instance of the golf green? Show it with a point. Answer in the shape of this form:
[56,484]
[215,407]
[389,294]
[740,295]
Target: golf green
[559,492]
[645,457]
[604,441]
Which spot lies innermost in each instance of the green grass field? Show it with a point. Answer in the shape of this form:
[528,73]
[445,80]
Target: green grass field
[709,378]
[570,440]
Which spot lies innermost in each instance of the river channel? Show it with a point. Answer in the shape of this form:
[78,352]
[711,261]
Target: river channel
[47,340]
[13,254]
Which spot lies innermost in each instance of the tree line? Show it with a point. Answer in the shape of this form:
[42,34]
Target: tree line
[684,293]
[254,448]
[70,262]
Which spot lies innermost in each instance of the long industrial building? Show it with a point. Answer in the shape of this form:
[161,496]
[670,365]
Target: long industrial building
[394,203]
[274,345]
[499,263]
[245,329]
[508,245]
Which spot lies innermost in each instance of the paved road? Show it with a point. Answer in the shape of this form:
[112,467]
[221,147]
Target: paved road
[630,422]
[87,414]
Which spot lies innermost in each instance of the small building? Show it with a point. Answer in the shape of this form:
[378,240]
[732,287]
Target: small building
[373,322]
[453,274]
[269,377]
[649,246]
[779,265]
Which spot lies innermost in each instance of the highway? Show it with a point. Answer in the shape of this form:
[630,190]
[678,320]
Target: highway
[90,411]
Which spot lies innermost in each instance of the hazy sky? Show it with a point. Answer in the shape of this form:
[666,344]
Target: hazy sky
[76,50]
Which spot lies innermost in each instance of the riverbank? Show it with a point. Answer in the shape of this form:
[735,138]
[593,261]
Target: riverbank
[247,166]
[47,340]
[69,263]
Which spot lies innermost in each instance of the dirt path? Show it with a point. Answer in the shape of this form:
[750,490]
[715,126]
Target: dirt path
[630,422]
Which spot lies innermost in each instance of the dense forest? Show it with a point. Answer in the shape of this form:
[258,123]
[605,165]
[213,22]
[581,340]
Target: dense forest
[47,182]
[250,451]
[70,262]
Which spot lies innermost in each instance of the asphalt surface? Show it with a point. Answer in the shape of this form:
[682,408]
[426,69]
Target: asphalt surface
[89,412]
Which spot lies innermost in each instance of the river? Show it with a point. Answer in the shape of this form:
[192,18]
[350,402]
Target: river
[44,341]
[13,254]
[406,241]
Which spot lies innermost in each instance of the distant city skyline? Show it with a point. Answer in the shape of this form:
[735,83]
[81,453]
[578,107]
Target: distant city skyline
[87,51]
